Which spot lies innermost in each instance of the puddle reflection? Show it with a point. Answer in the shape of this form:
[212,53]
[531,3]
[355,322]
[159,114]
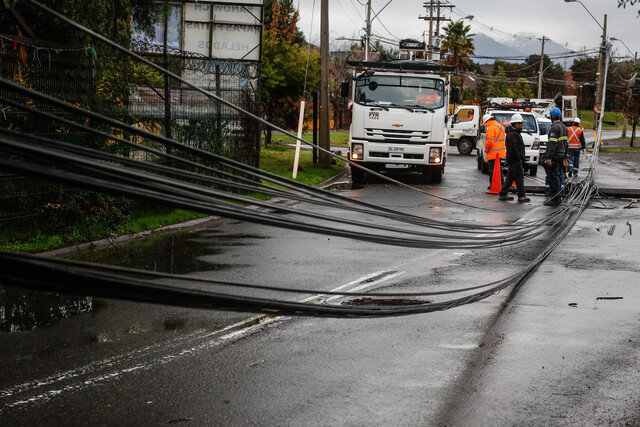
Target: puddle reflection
[24,310]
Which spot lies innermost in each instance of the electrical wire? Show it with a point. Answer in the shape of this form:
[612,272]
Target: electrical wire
[164,183]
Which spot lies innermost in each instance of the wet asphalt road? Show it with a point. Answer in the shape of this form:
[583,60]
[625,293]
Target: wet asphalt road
[514,358]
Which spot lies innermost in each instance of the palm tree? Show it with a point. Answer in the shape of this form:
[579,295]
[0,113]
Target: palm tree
[458,43]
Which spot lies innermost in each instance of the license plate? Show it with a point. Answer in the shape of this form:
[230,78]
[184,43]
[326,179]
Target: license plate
[396,149]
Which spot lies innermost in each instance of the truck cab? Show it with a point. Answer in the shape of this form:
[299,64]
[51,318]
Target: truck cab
[464,128]
[398,119]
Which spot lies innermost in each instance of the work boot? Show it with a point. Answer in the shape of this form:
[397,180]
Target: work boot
[505,197]
[524,199]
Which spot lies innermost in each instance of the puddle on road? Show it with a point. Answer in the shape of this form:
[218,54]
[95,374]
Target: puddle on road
[625,231]
[385,301]
[25,310]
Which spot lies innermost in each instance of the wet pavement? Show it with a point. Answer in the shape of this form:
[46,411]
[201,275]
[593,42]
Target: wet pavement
[561,350]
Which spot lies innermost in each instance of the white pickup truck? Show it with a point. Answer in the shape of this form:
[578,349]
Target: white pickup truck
[398,117]
[464,128]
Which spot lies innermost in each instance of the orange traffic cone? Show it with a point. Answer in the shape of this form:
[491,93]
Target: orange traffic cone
[496,179]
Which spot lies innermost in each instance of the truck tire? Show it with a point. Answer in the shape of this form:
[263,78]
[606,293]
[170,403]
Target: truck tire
[533,170]
[434,174]
[479,160]
[485,166]
[465,146]
[357,178]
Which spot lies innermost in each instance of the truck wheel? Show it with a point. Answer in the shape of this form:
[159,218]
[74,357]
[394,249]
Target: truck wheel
[357,178]
[434,174]
[465,146]
[533,170]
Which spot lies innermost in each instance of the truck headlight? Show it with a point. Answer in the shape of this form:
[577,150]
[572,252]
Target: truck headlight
[435,155]
[536,144]
[357,151]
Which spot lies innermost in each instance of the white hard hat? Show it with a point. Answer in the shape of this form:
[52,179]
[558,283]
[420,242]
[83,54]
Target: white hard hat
[516,118]
[486,118]
[576,120]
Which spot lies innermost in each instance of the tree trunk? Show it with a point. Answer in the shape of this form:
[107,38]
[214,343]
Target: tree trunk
[633,132]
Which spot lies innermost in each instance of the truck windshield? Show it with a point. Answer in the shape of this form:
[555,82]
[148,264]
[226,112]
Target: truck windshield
[528,121]
[546,126]
[400,91]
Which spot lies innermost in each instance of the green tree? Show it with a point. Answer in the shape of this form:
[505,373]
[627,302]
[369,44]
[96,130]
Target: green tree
[284,69]
[457,45]
[522,89]
[623,3]
[584,74]
[108,17]
[500,87]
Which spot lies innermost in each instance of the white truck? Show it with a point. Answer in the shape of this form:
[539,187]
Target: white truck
[464,128]
[398,117]
[530,136]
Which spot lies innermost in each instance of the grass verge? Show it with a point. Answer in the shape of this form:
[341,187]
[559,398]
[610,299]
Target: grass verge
[277,159]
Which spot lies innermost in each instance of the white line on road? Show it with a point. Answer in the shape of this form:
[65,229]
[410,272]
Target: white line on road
[93,373]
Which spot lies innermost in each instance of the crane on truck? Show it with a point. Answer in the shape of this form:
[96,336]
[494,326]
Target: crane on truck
[398,117]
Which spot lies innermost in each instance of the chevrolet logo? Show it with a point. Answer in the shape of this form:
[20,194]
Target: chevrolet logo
[398,125]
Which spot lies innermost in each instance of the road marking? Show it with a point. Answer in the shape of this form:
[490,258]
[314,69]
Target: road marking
[88,375]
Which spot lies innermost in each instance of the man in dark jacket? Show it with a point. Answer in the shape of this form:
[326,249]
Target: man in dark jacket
[556,156]
[515,160]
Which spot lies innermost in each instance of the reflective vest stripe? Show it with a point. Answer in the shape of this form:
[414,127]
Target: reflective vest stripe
[497,149]
[574,137]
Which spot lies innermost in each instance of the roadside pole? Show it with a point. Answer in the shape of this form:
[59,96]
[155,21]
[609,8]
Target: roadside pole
[296,158]
[324,84]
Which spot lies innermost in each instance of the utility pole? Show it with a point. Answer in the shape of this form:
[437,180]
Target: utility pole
[430,46]
[439,5]
[601,64]
[543,40]
[367,37]
[324,83]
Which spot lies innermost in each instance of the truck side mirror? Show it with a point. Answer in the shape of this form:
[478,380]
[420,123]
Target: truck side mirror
[482,128]
[543,131]
[344,89]
[455,95]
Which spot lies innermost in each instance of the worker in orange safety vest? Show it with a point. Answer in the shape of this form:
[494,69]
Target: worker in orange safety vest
[494,143]
[576,144]
[427,99]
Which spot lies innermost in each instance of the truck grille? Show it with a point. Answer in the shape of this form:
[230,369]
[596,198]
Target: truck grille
[417,137]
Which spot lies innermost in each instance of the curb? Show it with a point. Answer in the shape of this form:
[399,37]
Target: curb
[193,224]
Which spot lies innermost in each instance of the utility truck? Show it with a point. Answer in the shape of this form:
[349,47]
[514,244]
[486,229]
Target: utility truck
[398,117]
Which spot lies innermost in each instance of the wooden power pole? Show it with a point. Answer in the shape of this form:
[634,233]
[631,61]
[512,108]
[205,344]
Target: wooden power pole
[543,40]
[324,84]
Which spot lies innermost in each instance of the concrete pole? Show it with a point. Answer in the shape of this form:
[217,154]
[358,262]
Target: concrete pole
[544,39]
[429,47]
[367,37]
[324,84]
[600,83]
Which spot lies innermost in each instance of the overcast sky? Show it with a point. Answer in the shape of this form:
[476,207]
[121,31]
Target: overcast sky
[568,24]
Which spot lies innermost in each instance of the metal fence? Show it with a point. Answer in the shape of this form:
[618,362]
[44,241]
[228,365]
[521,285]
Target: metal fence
[104,80]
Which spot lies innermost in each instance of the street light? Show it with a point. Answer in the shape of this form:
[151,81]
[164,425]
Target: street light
[585,8]
[602,83]
[625,45]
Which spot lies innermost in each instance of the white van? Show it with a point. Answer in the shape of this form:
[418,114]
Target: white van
[530,136]
[544,126]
